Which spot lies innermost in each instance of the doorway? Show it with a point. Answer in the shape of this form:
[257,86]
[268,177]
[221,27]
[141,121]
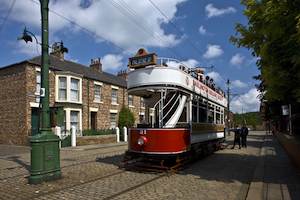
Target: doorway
[35,121]
[93,120]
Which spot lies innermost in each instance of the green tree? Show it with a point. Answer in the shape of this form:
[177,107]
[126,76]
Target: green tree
[126,118]
[252,118]
[273,36]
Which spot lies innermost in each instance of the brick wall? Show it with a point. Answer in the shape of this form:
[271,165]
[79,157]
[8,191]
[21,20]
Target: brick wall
[18,92]
[13,116]
[103,114]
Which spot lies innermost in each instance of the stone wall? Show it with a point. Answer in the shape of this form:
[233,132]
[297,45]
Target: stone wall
[99,139]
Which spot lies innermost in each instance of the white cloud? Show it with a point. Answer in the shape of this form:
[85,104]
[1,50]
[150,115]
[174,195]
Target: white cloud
[111,62]
[111,20]
[216,76]
[238,84]
[213,51]
[237,60]
[30,49]
[191,63]
[202,30]
[248,102]
[212,11]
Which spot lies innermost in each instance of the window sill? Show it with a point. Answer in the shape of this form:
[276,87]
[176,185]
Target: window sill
[66,101]
[114,104]
[98,101]
[130,106]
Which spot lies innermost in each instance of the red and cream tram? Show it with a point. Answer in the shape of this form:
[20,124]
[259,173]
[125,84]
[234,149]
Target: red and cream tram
[184,109]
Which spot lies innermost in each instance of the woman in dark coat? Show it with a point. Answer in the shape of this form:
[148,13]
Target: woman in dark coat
[244,134]
[237,137]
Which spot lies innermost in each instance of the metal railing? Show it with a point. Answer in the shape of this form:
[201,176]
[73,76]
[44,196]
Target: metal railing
[171,62]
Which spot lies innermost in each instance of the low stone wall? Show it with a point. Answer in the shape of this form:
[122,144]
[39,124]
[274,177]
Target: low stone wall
[292,147]
[99,139]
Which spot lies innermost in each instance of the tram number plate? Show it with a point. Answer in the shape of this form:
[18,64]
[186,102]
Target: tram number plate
[143,132]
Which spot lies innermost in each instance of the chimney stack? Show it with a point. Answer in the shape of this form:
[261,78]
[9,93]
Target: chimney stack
[122,74]
[96,65]
[58,50]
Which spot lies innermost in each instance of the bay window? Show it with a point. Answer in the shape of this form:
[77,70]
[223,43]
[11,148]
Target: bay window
[62,88]
[74,89]
[68,89]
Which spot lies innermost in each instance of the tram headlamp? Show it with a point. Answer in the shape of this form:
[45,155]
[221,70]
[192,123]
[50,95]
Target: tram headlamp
[142,140]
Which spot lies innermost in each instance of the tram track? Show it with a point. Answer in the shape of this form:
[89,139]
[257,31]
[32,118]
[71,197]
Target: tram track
[109,175]
[72,159]
[113,173]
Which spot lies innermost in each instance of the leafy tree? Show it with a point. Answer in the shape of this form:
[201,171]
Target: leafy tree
[252,118]
[273,35]
[126,118]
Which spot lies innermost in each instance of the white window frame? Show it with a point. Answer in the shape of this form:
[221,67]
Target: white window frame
[142,104]
[38,73]
[68,119]
[117,89]
[101,89]
[68,79]
[58,88]
[110,122]
[38,77]
[77,90]
[132,99]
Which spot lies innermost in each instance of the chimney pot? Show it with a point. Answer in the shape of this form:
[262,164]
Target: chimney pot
[96,65]
[58,50]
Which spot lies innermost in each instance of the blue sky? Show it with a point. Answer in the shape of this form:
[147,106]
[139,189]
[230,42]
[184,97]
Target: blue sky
[195,31]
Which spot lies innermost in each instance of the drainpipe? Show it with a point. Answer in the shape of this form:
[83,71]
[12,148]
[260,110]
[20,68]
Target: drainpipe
[88,102]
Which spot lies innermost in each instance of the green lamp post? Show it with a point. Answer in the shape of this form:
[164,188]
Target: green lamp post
[45,158]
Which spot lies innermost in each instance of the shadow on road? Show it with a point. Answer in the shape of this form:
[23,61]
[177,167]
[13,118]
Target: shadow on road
[17,160]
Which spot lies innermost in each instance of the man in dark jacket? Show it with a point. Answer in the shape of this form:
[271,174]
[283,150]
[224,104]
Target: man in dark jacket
[244,134]
[237,135]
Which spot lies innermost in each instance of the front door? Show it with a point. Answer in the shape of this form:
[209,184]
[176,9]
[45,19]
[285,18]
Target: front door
[34,121]
[93,120]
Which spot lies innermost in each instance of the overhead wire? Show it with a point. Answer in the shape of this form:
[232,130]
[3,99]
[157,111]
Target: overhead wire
[7,15]
[125,9]
[92,33]
[173,24]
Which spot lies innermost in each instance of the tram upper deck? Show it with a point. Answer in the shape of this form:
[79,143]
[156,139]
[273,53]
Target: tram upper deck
[172,74]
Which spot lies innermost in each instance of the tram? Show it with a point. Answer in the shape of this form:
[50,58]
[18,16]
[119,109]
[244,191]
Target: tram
[184,108]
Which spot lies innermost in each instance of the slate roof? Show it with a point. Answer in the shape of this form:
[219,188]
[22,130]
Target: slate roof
[66,65]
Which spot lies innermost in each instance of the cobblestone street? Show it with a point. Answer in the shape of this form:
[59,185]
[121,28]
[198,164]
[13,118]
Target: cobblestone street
[261,171]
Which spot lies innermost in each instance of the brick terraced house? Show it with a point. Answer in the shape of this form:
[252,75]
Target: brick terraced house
[81,96]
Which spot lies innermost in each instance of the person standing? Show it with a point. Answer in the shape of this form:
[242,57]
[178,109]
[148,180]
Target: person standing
[244,134]
[237,137]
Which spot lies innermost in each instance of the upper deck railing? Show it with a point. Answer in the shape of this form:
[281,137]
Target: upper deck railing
[174,63]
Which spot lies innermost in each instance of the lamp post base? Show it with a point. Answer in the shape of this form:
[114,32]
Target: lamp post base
[45,158]
[39,178]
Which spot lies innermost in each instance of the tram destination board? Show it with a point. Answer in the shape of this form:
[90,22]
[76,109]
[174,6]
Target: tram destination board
[142,61]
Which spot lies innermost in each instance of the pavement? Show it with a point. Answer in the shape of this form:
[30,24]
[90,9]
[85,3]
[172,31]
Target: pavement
[260,171]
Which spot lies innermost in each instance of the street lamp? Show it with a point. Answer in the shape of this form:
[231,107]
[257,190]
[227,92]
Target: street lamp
[45,155]
[27,36]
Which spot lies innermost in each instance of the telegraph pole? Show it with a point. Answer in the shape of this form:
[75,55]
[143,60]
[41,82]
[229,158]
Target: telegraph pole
[228,106]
